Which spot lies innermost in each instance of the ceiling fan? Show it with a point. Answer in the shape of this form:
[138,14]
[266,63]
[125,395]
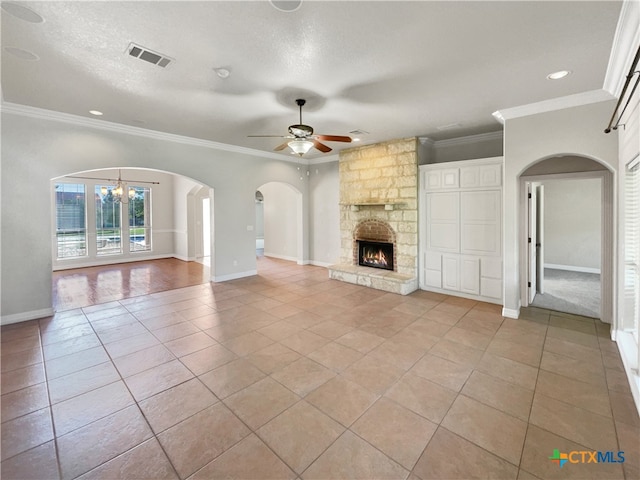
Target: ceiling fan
[303,138]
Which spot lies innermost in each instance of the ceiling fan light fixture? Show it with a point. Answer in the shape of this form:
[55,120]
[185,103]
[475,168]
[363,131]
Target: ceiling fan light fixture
[300,146]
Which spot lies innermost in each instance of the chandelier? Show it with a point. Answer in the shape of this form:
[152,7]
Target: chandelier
[118,191]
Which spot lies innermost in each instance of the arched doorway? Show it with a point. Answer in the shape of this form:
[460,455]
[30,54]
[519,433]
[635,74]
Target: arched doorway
[579,233]
[159,214]
[281,222]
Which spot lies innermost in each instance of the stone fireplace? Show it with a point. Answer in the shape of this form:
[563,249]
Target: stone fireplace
[379,205]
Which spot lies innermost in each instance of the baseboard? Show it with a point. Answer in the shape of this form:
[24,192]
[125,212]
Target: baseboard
[234,276]
[571,268]
[281,257]
[184,259]
[320,264]
[114,261]
[511,313]
[24,316]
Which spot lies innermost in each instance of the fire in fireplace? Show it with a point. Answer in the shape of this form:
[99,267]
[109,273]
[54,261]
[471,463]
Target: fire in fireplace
[375,254]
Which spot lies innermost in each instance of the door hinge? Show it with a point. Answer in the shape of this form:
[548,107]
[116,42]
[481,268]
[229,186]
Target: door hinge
[529,195]
[529,240]
[529,284]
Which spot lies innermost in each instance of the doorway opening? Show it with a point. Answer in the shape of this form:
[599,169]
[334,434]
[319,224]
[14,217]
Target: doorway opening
[566,246]
[564,255]
[259,224]
[279,222]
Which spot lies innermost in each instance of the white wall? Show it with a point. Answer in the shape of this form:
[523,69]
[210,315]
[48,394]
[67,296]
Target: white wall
[572,211]
[324,198]
[571,131]
[281,221]
[37,148]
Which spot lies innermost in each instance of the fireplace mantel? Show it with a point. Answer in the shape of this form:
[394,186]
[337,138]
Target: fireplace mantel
[388,205]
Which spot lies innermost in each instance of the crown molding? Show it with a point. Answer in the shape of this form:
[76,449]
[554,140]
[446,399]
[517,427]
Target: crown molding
[570,101]
[481,137]
[625,42]
[43,114]
[426,141]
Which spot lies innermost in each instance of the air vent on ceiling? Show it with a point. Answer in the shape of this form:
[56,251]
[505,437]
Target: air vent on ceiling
[358,132]
[149,56]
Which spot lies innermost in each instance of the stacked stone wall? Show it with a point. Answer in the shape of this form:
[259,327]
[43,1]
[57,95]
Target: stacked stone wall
[380,182]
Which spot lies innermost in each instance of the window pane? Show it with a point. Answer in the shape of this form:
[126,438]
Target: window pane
[108,227]
[71,231]
[139,219]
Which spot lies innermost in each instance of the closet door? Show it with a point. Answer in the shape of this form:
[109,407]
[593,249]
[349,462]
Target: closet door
[480,222]
[451,272]
[470,274]
[443,221]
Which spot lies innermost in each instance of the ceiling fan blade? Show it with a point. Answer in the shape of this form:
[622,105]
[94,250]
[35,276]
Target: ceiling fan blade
[268,136]
[333,138]
[282,146]
[320,146]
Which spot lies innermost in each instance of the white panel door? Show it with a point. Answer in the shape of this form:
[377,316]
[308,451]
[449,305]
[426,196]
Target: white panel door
[433,269]
[451,272]
[443,223]
[480,222]
[532,240]
[450,178]
[470,274]
[540,239]
[432,180]
[469,177]
[490,175]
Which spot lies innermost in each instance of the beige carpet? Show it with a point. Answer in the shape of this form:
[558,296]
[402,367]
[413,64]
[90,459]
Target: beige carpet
[570,292]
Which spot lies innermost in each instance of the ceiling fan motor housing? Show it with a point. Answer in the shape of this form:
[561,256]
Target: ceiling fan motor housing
[300,131]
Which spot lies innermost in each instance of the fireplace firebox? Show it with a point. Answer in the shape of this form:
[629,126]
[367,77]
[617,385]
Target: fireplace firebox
[375,254]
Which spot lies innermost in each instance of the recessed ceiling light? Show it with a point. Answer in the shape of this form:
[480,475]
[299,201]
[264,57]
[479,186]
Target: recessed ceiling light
[97,113]
[286,5]
[22,54]
[558,75]
[21,12]
[355,139]
[222,72]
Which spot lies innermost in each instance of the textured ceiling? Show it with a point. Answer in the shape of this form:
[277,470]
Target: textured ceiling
[393,69]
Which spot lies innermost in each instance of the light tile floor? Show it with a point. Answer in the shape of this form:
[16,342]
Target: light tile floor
[291,375]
